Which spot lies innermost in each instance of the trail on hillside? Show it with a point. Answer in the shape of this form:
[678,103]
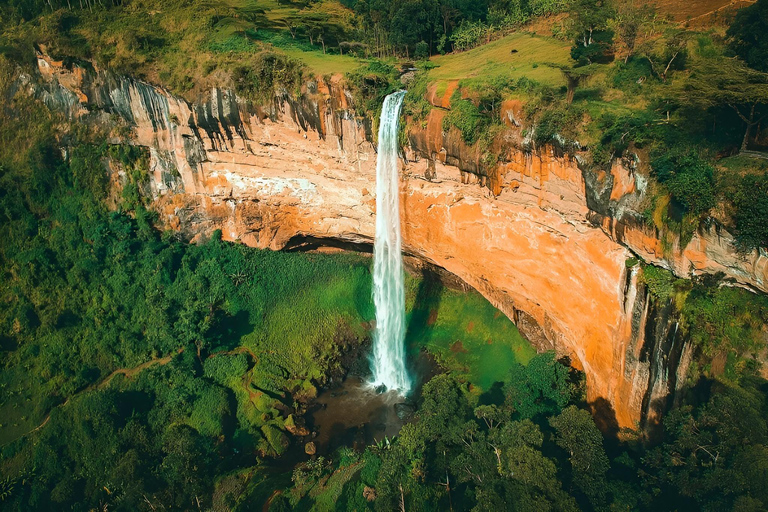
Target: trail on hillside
[128,372]
[131,372]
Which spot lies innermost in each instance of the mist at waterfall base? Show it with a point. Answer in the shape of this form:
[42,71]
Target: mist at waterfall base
[388,359]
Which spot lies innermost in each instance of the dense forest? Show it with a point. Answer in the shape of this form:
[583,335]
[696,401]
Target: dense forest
[141,372]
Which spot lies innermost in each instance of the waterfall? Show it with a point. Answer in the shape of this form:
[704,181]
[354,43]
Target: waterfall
[388,360]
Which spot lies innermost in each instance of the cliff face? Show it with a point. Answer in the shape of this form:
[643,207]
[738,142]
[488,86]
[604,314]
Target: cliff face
[544,241]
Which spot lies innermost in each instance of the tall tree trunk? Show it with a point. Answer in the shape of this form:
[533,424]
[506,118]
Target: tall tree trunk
[745,140]
[750,123]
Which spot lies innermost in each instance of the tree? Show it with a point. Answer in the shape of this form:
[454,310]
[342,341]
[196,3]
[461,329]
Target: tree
[727,82]
[589,27]
[578,435]
[748,35]
[751,202]
[574,77]
[539,388]
[632,23]
[714,453]
[671,55]
[688,177]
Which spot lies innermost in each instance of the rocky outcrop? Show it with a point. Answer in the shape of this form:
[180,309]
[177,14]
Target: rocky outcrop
[546,242]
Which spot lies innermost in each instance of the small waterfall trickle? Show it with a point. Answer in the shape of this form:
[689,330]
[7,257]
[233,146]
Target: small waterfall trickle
[388,360]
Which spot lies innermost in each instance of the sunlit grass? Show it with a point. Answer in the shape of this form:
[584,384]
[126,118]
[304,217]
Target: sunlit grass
[499,58]
[465,333]
[323,64]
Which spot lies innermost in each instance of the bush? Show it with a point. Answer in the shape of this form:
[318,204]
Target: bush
[422,51]
[660,282]
[688,177]
[223,369]
[465,116]
[723,318]
[751,217]
[555,121]
[270,74]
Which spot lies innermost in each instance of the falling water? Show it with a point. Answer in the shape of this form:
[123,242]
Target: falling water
[388,288]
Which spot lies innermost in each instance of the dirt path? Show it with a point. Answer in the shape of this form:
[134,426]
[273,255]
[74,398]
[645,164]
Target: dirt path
[131,372]
[128,372]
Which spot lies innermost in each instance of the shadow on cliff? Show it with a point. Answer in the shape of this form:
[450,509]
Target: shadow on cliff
[425,307]
[423,316]
[304,243]
[605,417]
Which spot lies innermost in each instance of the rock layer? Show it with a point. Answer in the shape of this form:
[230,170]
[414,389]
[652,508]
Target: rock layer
[544,241]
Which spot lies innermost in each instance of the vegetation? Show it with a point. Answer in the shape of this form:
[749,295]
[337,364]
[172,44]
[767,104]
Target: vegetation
[530,445]
[143,373]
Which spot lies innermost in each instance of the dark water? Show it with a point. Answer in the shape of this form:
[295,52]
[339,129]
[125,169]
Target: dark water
[354,415]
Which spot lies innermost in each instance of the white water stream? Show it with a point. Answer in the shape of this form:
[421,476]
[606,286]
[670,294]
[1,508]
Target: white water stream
[388,360]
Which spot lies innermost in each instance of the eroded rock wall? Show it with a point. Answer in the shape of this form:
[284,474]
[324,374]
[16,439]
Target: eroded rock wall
[544,241]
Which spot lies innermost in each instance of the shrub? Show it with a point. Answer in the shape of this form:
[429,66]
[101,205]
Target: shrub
[725,318]
[422,51]
[688,177]
[465,116]
[751,217]
[223,369]
[557,120]
[660,282]
[270,74]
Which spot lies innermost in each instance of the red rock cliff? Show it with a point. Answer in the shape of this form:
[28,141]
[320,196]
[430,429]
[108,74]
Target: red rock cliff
[537,236]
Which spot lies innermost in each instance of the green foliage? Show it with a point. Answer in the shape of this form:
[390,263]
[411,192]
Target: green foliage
[711,447]
[540,388]
[514,15]
[660,282]
[499,460]
[688,177]
[748,35]
[225,369]
[618,132]
[593,40]
[210,412]
[371,84]
[465,116]
[269,75]
[422,51]
[577,434]
[723,318]
[751,216]
[554,121]
[468,34]
[596,49]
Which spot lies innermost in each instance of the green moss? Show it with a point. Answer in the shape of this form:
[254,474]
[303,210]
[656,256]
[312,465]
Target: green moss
[464,332]
[276,438]
[660,282]
[465,116]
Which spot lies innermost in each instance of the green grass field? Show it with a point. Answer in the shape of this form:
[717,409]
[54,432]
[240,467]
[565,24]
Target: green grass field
[323,64]
[497,58]
[464,332]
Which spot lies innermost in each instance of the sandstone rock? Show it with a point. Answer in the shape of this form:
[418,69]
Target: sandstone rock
[531,240]
[404,410]
[310,448]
